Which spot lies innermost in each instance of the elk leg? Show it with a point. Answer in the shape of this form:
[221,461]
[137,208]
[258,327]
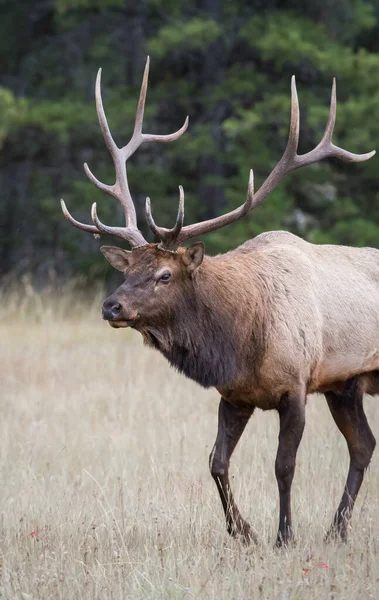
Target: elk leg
[348,414]
[292,421]
[231,424]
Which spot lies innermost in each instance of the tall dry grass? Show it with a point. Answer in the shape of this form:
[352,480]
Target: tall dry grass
[105,487]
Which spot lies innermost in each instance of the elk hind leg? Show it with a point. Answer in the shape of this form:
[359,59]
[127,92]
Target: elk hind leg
[231,424]
[292,421]
[349,416]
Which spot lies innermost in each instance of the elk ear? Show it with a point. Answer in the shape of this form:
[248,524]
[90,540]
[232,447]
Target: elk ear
[117,257]
[193,256]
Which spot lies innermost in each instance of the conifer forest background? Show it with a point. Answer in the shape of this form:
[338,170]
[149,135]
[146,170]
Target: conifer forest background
[227,64]
[106,492]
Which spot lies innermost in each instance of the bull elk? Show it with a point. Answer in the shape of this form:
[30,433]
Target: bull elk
[266,324]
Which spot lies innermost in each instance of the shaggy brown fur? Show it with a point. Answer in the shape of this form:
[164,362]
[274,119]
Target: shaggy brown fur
[267,323]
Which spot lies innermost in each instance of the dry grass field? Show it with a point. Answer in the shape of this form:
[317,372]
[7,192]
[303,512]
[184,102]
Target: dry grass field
[105,490]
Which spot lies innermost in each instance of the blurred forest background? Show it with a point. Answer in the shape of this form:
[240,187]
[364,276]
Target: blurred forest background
[225,63]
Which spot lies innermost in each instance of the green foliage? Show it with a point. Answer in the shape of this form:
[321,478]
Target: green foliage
[12,112]
[60,118]
[225,64]
[195,34]
[63,6]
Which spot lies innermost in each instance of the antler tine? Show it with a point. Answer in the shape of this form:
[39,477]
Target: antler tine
[293,137]
[102,186]
[329,129]
[120,189]
[75,223]
[289,162]
[131,234]
[249,204]
[172,238]
[110,143]
[168,237]
[326,148]
[142,99]
[138,137]
[180,216]
[170,137]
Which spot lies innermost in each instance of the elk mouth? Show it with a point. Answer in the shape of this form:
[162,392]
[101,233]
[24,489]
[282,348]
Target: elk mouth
[122,323]
[116,315]
[118,324]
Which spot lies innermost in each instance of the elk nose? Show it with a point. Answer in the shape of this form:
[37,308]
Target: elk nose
[111,310]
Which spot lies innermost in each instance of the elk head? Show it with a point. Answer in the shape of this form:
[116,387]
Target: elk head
[156,281]
[159,276]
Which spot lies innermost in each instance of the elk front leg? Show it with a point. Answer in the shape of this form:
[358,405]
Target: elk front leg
[348,414]
[231,424]
[292,420]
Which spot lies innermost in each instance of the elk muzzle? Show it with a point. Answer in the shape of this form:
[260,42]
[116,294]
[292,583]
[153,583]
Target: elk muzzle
[116,315]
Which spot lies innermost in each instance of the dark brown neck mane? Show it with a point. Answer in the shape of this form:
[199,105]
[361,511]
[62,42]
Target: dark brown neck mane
[203,340]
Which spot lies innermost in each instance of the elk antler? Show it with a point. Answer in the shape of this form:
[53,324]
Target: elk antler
[289,162]
[120,189]
[167,236]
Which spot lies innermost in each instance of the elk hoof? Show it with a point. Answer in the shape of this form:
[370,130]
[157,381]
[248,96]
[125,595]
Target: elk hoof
[284,541]
[248,536]
[336,534]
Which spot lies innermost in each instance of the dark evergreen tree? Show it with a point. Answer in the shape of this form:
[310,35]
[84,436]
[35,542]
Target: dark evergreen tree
[227,65]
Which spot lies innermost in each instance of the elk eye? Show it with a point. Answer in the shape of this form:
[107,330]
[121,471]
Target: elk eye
[165,277]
